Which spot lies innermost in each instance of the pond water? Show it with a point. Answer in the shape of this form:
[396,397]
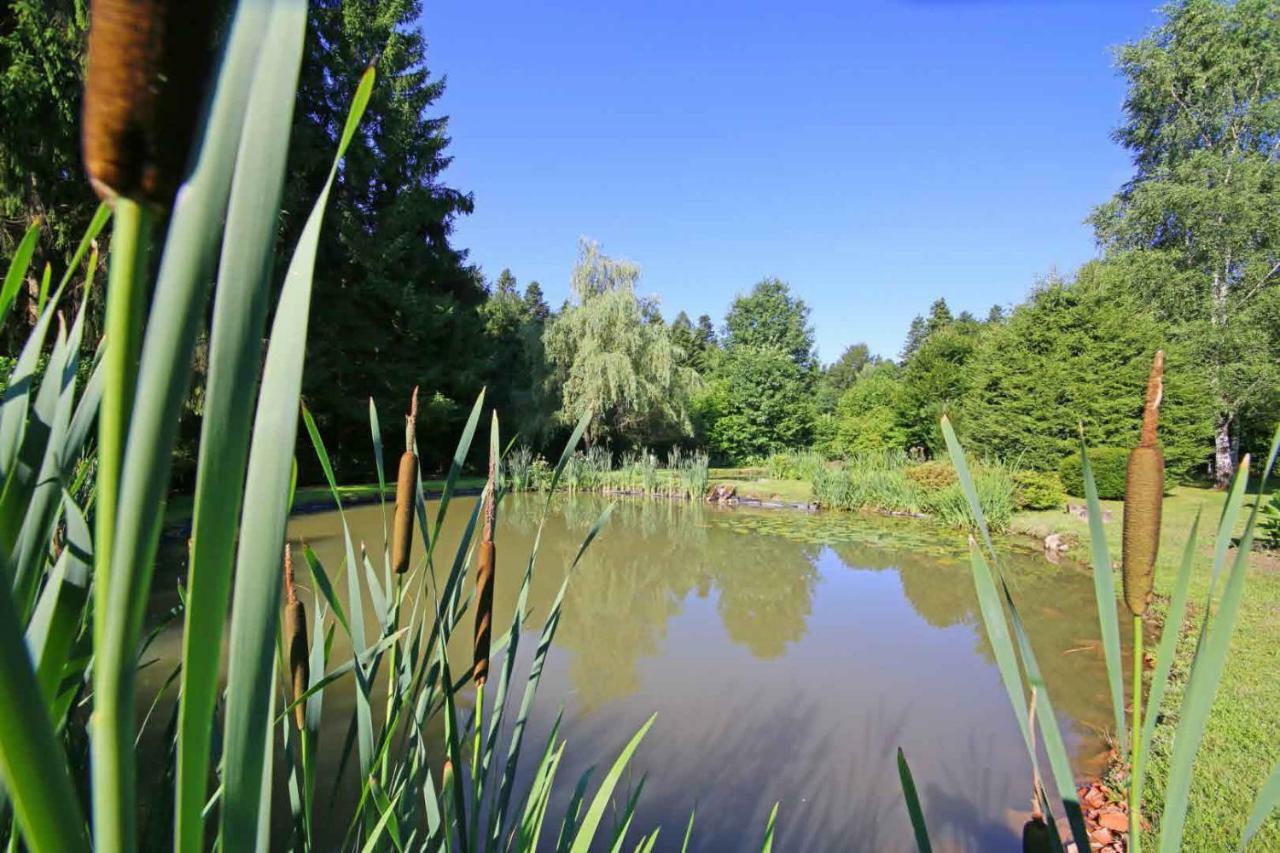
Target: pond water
[787,655]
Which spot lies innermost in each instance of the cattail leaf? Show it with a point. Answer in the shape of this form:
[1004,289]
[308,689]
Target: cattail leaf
[1054,744]
[256,597]
[1206,673]
[688,832]
[455,468]
[998,635]
[1227,526]
[325,586]
[767,844]
[624,823]
[912,798]
[235,353]
[57,616]
[966,483]
[18,266]
[1169,635]
[1265,803]
[32,763]
[376,430]
[586,830]
[1104,593]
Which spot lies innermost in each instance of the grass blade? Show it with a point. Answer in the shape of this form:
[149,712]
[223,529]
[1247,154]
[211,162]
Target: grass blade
[766,846]
[918,826]
[18,265]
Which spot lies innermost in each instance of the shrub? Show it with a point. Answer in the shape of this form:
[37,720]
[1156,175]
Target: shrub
[1109,466]
[1269,523]
[1037,490]
[932,476]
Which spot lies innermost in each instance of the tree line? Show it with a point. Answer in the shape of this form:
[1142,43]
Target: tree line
[1189,260]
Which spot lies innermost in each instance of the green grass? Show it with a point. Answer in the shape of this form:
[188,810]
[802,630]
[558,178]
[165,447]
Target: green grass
[1242,741]
[752,484]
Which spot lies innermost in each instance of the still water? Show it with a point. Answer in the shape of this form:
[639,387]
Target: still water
[787,655]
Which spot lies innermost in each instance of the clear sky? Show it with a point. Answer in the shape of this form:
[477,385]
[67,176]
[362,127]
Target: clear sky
[875,155]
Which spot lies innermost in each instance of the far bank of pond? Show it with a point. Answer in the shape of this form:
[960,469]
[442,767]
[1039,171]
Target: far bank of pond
[787,656]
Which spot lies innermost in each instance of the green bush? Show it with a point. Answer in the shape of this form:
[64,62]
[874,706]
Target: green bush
[932,476]
[1269,523]
[1109,467]
[1037,490]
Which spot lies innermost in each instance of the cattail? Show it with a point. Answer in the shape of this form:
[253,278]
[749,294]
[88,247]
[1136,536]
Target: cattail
[144,85]
[1143,497]
[406,490]
[295,640]
[485,565]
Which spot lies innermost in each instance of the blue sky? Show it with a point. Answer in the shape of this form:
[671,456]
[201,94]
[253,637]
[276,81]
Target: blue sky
[875,155]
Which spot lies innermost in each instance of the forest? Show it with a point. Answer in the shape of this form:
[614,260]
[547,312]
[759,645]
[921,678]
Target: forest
[1187,262]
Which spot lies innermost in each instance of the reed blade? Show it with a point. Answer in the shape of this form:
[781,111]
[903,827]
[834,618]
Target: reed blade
[586,830]
[256,596]
[1104,593]
[914,811]
[1206,673]
[1265,803]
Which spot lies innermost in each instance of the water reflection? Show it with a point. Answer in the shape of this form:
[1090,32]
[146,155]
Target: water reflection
[787,656]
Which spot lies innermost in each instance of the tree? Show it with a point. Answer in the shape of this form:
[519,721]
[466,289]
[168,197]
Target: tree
[517,379]
[41,66]
[934,380]
[916,334]
[1079,354]
[844,371]
[758,403]
[867,419]
[769,316]
[608,359]
[396,304]
[535,303]
[1201,119]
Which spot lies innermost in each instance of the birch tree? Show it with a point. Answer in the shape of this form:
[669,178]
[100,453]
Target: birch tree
[1202,118]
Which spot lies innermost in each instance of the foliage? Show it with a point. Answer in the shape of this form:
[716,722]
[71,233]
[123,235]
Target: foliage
[933,475]
[866,418]
[1269,523]
[935,379]
[757,403]
[839,376]
[695,343]
[1038,490]
[795,465]
[1078,353]
[41,63]
[882,482]
[513,328]
[769,317]
[1201,121]
[1110,466]
[609,359]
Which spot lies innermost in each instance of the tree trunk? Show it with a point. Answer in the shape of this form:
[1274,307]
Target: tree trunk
[1224,463]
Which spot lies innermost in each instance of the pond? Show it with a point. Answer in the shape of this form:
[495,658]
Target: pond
[787,656]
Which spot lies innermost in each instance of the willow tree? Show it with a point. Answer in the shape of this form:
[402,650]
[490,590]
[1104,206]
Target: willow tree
[1202,121]
[614,357]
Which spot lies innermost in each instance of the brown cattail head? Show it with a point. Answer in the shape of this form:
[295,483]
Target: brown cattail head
[406,492]
[1143,500]
[295,640]
[144,85]
[486,563]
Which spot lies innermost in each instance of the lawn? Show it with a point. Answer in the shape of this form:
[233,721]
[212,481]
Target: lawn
[1242,741]
[753,484]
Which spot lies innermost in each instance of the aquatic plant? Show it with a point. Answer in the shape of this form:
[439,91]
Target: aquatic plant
[1021,674]
[406,481]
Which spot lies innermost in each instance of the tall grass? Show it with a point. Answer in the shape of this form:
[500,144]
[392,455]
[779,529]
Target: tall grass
[883,482]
